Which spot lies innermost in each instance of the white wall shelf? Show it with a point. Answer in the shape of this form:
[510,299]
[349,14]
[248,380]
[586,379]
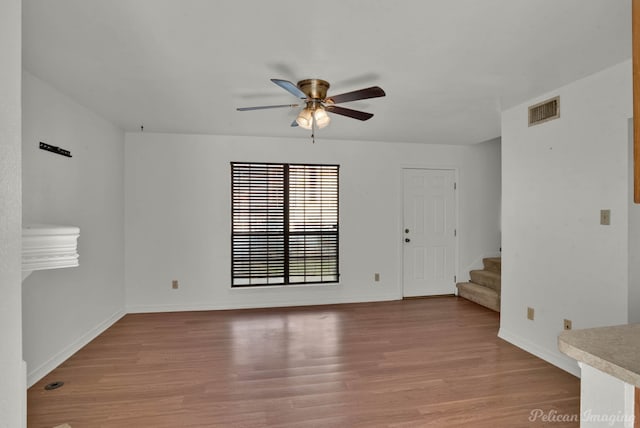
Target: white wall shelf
[46,246]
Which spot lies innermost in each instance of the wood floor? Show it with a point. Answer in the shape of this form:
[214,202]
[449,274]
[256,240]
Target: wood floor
[414,363]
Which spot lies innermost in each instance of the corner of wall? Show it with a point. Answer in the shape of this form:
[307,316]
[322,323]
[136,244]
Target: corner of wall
[565,363]
[37,373]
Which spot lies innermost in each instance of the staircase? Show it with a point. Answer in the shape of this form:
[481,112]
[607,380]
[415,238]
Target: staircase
[484,286]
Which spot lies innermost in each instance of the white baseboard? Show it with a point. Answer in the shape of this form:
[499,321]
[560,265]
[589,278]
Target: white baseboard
[39,372]
[23,398]
[137,309]
[565,363]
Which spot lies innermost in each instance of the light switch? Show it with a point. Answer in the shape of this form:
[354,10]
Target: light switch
[605,217]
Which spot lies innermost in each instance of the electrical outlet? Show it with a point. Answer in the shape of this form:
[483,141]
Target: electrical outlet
[567,324]
[530,313]
[376,277]
[174,284]
[605,217]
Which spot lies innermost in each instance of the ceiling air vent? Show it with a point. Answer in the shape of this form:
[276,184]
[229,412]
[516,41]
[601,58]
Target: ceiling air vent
[544,111]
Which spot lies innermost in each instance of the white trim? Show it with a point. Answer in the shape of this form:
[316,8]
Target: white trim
[136,309]
[53,362]
[23,396]
[284,286]
[567,364]
[629,405]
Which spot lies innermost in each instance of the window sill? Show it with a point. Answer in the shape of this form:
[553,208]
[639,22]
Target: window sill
[290,286]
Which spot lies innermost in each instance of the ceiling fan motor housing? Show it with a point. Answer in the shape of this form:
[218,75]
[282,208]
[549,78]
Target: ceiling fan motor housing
[315,89]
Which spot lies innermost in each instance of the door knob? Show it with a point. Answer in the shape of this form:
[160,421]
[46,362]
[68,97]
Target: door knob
[406,231]
[407,240]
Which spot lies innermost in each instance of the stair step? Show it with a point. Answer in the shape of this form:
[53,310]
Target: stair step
[487,278]
[493,264]
[479,294]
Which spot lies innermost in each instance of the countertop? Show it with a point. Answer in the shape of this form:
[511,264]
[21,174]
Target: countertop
[613,350]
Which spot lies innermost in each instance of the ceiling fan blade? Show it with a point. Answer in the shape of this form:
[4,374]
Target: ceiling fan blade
[361,94]
[355,114]
[266,107]
[291,88]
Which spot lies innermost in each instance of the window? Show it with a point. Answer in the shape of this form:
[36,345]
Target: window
[284,224]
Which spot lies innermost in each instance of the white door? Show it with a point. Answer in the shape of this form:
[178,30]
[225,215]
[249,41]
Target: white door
[429,232]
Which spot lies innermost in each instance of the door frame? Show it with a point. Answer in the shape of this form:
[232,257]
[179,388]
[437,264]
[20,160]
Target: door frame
[400,223]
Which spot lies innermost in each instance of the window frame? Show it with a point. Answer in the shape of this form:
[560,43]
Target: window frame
[330,263]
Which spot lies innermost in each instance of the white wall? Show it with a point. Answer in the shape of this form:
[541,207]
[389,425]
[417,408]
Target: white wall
[12,386]
[556,177]
[178,215]
[481,205]
[63,309]
[634,242]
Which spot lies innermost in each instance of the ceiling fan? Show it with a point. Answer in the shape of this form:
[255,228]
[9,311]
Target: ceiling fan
[314,94]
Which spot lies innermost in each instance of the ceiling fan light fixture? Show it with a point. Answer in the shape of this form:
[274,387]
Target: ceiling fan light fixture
[305,119]
[321,117]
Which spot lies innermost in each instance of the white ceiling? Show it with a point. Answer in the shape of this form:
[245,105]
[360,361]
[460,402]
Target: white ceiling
[448,66]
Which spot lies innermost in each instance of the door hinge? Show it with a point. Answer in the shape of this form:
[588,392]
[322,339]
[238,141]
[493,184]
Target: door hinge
[455,232]
[455,278]
[455,186]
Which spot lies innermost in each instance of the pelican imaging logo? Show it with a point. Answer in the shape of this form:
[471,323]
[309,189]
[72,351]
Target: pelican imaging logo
[551,416]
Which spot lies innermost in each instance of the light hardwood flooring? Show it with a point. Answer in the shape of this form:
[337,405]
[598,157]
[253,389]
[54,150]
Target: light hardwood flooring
[413,363]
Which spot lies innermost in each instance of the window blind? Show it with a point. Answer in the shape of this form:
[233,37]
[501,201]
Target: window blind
[284,224]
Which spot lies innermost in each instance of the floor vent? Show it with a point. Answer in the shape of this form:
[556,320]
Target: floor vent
[54,385]
[544,111]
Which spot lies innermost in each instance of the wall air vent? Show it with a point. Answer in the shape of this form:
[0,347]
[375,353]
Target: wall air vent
[544,111]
